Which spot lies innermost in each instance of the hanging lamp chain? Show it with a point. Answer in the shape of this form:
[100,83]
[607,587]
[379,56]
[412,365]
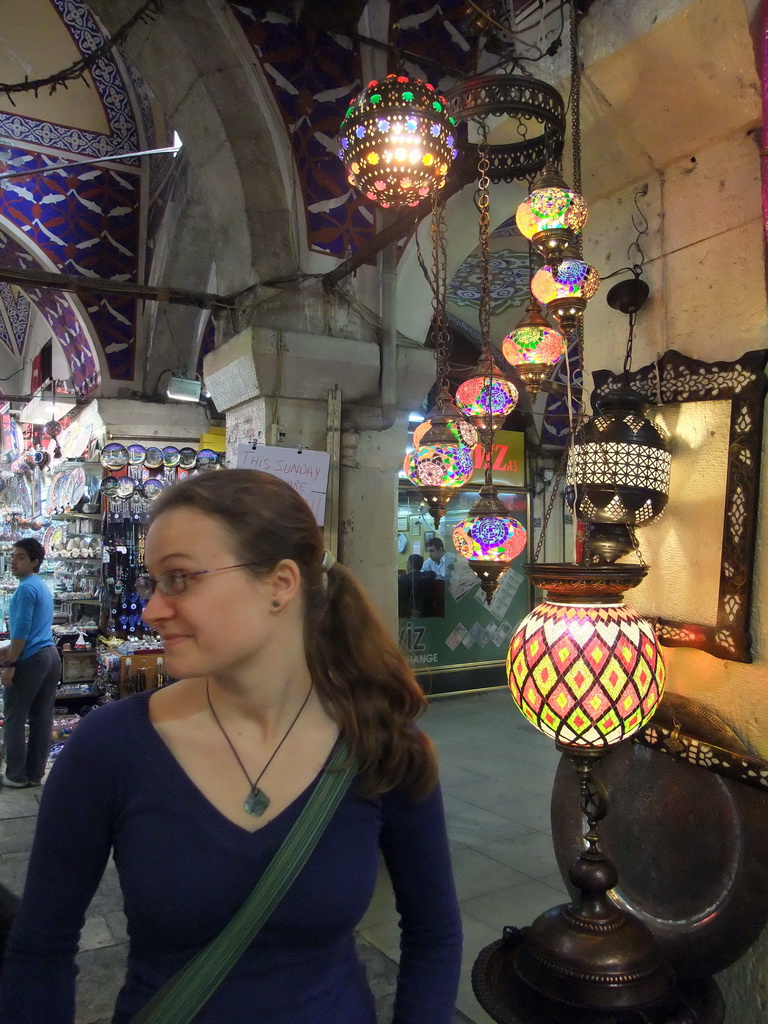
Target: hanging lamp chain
[440,334]
[484,311]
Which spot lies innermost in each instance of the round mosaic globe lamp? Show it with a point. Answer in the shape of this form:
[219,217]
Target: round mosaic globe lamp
[533,347]
[565,289]
[463,431]
[439,467]
[490,539]
[397,142]
[587,670]
[551,216]
[487,398]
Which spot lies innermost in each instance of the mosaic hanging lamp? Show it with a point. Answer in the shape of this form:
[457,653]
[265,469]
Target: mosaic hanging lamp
[440,465]
[490,539]
[397,142]
[617,477]
[533,347]
[566,288]
[583,667]
[462,429]
[552,215]
[487,398]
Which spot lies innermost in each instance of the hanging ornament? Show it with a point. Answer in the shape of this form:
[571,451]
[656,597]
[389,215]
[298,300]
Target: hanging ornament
[584,667]
[461,428]
[397,142]
[565,289]
[52,428]
[533,347]
[551,216]
[490,539]
[487,398]
[439,466]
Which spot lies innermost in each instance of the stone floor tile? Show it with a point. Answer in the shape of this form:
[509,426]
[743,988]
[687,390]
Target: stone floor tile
[101,976]
[16,834]
[96,934]
[517,906]
[531,853]
[477,875]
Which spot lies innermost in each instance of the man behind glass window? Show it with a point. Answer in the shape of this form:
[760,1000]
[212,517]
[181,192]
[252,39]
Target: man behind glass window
[435,562]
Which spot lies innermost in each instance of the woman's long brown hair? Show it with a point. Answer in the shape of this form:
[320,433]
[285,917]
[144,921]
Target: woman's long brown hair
[363,680]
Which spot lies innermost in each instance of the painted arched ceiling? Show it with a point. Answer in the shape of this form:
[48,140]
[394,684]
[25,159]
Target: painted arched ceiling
[85,220]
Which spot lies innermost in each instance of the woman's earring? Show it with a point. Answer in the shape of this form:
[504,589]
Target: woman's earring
[275,604]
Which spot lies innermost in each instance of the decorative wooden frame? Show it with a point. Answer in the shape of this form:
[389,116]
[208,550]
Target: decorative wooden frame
[678,378]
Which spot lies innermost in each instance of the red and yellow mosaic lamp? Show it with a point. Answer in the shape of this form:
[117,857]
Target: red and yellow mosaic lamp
[397,142]
[487,398]
[566,288]
[552,215]
[533,347]
[440,465]
[490,539]
[583,667]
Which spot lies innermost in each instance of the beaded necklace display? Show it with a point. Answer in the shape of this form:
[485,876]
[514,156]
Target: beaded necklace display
[257,800]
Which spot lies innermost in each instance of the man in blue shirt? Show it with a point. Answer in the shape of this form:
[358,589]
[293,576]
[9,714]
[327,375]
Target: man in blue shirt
[31,671]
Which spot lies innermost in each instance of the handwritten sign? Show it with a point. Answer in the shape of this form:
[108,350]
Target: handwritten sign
[305,471]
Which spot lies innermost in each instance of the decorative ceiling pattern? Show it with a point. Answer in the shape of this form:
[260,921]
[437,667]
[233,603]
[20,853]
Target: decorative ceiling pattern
[60,314]
[108,79]
[313,76]
[510,277]
[86,220]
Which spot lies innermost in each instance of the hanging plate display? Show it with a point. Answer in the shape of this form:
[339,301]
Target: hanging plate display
[77,484]
[153,458]
[207,458]
[109,486]
[171,456]
[114,456]
[136,454]
[126,487]
[152,487]
[188,458]
[74,440]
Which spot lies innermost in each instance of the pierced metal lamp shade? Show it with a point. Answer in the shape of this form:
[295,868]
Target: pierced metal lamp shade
[583,667]
[565,289]
[490,539]
[552,215]
[533,347]
[397,142]
[618,469]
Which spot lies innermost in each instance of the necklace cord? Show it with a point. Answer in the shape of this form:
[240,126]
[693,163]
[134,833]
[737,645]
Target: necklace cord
[216,719]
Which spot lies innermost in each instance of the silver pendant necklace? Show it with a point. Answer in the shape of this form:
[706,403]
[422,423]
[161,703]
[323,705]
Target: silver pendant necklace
[257,800]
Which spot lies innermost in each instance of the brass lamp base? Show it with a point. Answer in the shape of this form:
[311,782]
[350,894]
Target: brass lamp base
[508,1000]
[489,573]
[436,500]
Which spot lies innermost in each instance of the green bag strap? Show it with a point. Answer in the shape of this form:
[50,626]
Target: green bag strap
[190,988]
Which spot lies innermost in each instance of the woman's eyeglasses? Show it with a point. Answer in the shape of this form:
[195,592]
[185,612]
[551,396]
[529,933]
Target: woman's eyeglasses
[175,582]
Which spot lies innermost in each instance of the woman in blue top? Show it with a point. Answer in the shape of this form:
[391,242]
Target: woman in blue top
[193,787]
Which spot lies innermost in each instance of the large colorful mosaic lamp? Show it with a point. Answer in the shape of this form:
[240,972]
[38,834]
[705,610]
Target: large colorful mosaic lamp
[439,466]
[587,670]
[533,347]
[551,216]
[490,539]
[397,142]
[462,429]
[565,288]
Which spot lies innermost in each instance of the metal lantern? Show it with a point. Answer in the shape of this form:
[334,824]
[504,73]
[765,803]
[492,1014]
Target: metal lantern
[533,347]
[463,431]
[565,289]
[552,215]
[489,538]
[397,142]
[618,473]
[439,466]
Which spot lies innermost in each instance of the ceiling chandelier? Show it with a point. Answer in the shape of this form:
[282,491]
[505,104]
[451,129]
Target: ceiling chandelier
[397,142]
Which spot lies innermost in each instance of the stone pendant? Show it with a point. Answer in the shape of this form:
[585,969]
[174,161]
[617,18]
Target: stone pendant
[256,802]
